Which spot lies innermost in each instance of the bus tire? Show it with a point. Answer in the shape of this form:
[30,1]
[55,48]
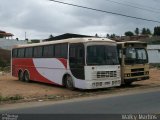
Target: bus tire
[69,82]
[20,75]
[128,83]
[26,76]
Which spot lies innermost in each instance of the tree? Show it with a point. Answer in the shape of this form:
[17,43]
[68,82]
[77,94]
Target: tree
[129,33]
[137,31]
[144,31]
[107,36]
[96,35]
[148,31]
[51,36]
[113,35]
[157,31]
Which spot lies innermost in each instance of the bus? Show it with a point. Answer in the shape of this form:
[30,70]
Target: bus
[133,59]
[84,63]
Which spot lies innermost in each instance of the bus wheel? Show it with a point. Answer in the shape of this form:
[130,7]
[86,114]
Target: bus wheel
[20,76]
[128,83]
[26,76]
[69,83]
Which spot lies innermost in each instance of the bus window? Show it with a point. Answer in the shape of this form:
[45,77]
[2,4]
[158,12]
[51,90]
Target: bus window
[28,52]
[21,52]
[61,50]
[14,53]
[37,52]
[48,51]
[64,51]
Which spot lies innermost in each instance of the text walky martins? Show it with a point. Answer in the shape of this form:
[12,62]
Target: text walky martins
[139,117]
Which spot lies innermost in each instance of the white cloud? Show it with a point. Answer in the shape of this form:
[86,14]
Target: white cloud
[40,18]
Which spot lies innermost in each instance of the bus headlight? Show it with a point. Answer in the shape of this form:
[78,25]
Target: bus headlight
[147,72]
[127,75]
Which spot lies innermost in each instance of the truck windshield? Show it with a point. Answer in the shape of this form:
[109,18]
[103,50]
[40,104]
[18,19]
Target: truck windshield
[102,55]
[135,56]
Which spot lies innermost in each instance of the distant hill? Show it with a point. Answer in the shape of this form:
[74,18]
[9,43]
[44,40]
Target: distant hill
[5,56]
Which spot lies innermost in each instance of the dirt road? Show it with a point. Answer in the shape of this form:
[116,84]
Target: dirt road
[10,86]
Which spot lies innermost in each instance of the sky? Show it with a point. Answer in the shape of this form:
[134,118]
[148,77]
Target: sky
[41,18]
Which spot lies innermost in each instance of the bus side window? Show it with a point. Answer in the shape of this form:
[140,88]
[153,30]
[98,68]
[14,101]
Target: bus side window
[58,51]
[14,53]
[48,51]
[37,52]
[61,50]
[28,52]
[21,53]
[64,51]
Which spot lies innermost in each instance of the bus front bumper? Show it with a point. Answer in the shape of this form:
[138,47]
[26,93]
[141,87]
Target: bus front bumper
[95,84]
[136,79]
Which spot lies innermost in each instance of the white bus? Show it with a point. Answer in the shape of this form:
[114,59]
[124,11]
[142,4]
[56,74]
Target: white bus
[84,63]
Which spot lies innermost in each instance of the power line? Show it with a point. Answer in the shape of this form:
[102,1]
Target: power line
[109,12]
[142,5]
[128,5]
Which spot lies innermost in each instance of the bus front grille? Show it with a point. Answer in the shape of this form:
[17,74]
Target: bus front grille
[137,74]
[105,74]
[137,70]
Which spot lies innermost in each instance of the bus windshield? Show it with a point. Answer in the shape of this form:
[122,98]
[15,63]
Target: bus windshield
[102,55]
[135,56]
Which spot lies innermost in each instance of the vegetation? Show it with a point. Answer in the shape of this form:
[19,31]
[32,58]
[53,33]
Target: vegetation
[144,31]
[137,31]
[157,31]
[129,33]
[112,36]
[51,36]
[10,98]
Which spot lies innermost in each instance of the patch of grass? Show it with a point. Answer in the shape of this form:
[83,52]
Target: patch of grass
[10,98]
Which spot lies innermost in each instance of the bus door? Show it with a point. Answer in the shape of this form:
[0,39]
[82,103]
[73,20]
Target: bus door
[77,60]
[121,60]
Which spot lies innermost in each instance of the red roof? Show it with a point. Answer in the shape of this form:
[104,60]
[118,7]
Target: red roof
[4,34]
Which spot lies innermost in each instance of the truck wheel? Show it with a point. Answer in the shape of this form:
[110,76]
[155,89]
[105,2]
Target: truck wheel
[26,76]
[69,83]
[20,76]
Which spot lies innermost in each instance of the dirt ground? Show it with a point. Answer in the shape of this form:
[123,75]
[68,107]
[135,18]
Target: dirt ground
[10,86]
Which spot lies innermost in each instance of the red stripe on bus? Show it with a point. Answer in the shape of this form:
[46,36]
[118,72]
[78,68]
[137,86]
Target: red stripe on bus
[63,61]
[20,64]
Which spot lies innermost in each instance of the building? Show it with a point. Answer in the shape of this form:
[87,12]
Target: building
[7,41]
[5,35]
[66,36]
[154,53]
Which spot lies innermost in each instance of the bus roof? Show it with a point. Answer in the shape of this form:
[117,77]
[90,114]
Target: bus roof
[70,40]
[130,42]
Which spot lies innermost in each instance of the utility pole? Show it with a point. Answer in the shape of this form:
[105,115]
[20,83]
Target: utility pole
[25,35]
